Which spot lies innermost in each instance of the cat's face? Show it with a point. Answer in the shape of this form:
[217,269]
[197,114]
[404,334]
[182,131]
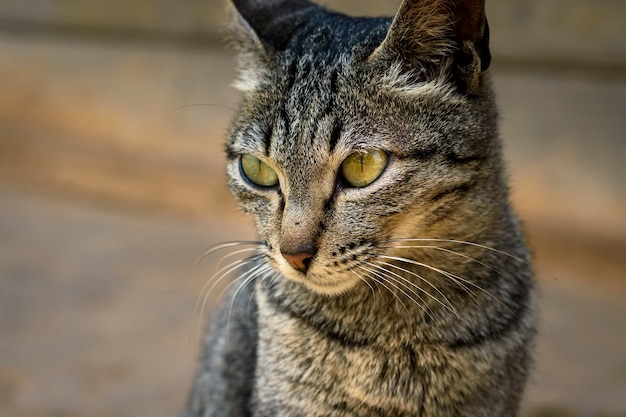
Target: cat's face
[337,154]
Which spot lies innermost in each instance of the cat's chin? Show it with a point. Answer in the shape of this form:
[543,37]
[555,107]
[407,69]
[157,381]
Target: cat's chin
[332,290]
[323,285]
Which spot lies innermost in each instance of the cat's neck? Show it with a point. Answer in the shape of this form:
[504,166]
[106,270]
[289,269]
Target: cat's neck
[387,351]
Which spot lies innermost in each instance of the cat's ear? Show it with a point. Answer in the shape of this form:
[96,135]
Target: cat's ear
[260,28]
[428,38]
[272,21]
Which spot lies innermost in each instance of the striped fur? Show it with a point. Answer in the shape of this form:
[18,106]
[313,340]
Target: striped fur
[419,297]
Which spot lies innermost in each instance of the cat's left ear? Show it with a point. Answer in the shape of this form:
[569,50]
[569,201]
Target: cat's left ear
[426,35]
[260,28]
[271,21]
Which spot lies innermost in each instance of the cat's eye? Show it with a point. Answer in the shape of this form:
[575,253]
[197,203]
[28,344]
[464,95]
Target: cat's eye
[363,168]
[257,171]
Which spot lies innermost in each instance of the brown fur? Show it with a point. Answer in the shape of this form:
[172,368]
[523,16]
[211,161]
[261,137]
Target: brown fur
[417,295]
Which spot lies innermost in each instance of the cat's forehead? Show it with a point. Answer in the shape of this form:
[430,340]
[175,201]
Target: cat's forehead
[321,51]
[319,95]
[313,109]
[325,36]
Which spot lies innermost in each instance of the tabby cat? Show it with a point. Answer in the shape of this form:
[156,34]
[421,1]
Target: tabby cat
[391,277]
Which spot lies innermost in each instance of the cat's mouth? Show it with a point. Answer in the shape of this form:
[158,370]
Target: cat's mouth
[318,279]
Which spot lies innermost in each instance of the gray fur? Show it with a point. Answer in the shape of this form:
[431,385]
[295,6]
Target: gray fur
[379,324]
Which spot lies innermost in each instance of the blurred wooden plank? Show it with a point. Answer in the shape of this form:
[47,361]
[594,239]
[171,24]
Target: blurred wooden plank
[565,30]
[116,115]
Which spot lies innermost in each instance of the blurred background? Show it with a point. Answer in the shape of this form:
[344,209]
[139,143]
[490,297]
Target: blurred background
[112,116]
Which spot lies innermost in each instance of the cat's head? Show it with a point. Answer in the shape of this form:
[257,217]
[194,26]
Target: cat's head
[354,132]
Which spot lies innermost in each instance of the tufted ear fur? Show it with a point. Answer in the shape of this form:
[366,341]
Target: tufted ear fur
[428,38]
[259,28]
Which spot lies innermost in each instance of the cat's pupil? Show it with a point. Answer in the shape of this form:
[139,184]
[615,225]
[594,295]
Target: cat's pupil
[364,167]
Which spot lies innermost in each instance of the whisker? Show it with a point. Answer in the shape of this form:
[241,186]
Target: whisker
[363,279]
[456,279]
[248,277]
[450,307]
[221,295]
[400,283]
[273,279]
[367,283]
[406,285]
[212,249]
[235,253]
[271,273]
[461,242]
[386,287]
[440,271]
[470,258]
[244,276]
[226,245]
[224,272]
[453,277]
[461,278]
[200,307]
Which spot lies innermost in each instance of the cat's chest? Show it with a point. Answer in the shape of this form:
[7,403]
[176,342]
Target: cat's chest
[302,371]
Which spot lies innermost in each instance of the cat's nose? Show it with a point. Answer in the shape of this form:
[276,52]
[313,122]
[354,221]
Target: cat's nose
[299,259]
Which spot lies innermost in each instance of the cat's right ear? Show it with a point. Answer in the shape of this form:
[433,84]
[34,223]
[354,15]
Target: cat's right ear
[259,29]
[431,39]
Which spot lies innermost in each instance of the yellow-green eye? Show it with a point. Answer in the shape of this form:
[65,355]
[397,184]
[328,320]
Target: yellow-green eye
[363,168]
[258,171]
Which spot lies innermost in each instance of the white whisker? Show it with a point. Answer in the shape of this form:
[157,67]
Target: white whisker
[214,280]
[447,274]
[247,278]
[386,287]
[455,278]
[449,251]
[450,307]
[235,253]
[399,282]
[221,274]
[271,273]
[381,266]
[366,282]
[226,245]
[221,295]
[461,242]
[215,248]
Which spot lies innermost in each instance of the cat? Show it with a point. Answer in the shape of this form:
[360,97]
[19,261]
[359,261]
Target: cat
[391,277]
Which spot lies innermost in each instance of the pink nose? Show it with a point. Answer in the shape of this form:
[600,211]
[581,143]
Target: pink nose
[300,260]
